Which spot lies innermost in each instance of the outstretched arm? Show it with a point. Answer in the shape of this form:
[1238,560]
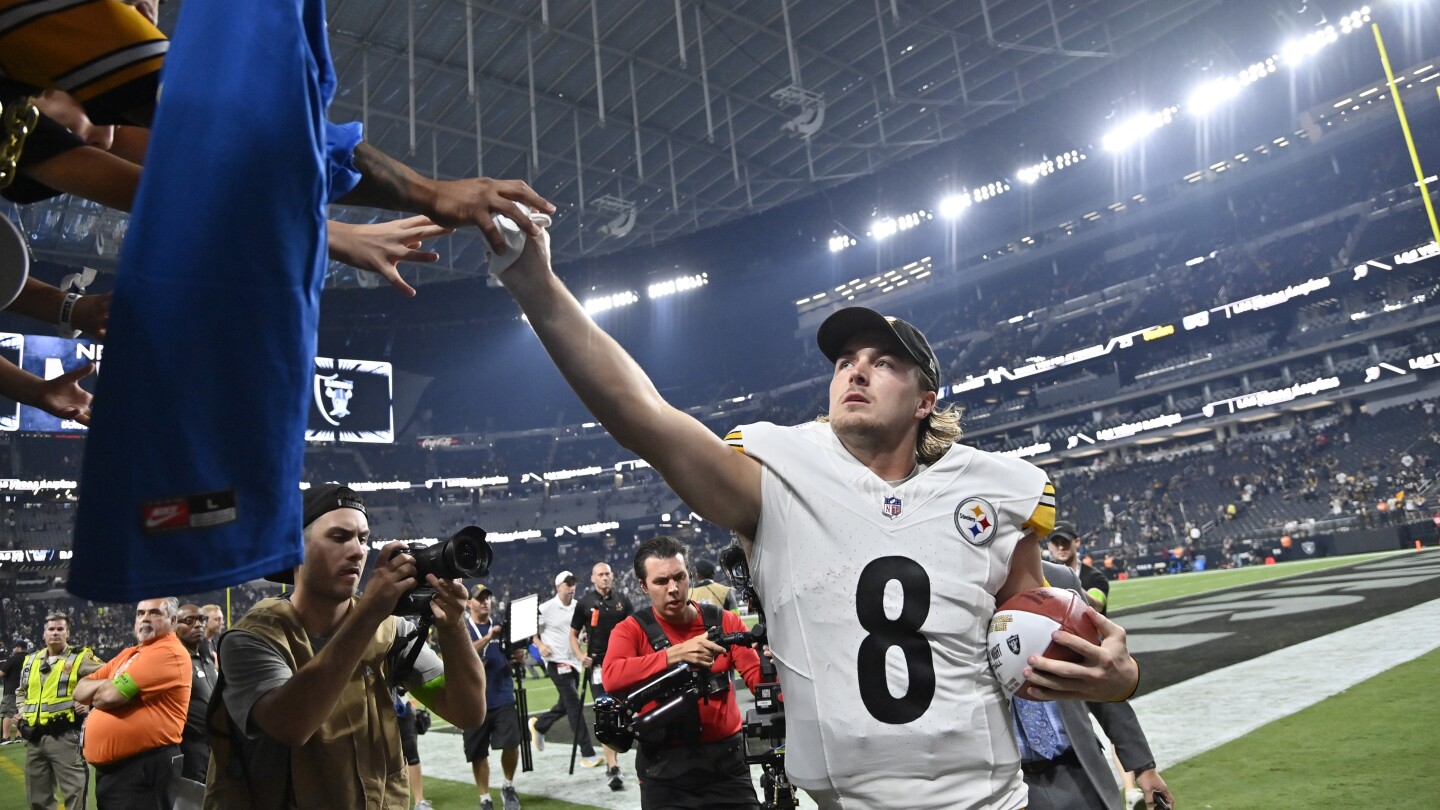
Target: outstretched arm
[719,483]
[387,183]
[379,247]
[62,397]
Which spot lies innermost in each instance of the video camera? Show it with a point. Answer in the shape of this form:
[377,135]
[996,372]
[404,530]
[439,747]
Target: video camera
[765,722]
[464,555]
[676,693]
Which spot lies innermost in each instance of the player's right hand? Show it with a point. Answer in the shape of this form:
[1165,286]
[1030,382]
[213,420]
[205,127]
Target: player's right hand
[698,650]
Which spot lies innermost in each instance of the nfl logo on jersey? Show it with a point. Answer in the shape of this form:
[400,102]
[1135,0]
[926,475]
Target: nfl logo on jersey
[891,507]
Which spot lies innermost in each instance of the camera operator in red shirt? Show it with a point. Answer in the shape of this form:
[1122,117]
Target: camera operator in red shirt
[690,768]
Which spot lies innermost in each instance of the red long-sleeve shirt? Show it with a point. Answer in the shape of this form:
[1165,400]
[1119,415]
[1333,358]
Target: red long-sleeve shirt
[630,661]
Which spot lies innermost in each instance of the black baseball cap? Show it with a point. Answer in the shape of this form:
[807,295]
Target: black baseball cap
[846,323]
[1064,531]
[319,500]
[479,591]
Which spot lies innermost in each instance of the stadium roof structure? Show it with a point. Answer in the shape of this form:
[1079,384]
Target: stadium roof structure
[647,120]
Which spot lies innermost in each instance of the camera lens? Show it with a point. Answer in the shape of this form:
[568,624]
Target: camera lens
[465,554]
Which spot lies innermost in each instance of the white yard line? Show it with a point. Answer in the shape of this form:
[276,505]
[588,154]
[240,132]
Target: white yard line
[1207,711]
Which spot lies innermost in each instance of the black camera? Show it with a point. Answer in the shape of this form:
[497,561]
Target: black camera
[464,555]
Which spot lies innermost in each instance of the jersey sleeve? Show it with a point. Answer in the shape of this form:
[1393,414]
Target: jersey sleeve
[736,439]
[1042,521]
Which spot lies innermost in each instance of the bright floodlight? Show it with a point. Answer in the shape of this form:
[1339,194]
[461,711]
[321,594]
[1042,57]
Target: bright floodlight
[954,205]
[1132,130]
[1212,94]
[883,228]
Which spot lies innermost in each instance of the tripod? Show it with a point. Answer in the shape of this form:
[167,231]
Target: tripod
[584,684]
[522,709]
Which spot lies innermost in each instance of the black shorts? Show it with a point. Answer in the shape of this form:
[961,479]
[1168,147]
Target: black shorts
[408,738]
[500,731]
[701,776]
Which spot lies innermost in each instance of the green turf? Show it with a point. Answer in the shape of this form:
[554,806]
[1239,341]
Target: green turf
[1145,590]
[447,795]
[1361,748]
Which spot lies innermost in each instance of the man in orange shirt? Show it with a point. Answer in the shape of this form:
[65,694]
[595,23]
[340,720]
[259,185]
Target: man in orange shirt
[140,699]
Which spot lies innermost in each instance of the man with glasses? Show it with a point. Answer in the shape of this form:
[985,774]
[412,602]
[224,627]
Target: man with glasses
[191,630]
[48,720]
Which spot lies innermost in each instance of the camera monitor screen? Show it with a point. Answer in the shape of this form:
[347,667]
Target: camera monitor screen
[524,619]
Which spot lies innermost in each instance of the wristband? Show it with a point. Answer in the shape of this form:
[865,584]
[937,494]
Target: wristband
[1137,682]
[67,314]
[1149,766]
[126,685]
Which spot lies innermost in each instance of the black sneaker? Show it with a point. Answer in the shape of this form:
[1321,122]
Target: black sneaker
[616,783]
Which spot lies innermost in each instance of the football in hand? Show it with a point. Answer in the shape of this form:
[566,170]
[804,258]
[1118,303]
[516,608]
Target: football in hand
[1022,627]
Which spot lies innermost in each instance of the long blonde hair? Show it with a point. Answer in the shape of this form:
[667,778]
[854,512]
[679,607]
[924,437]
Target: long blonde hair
[940,429]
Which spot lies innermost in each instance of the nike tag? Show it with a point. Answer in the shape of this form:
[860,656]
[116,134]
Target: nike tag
[189,512]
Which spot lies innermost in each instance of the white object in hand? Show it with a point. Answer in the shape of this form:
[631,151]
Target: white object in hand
[514,238]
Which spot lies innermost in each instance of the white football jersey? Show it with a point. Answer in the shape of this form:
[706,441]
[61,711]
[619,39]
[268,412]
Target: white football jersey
[878,599]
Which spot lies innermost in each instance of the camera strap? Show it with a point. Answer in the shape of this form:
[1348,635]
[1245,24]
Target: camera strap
[713,616]
[409,646]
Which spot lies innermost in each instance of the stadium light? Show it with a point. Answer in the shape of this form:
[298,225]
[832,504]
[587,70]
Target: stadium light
[954,205]
[675,285]
[1047,167]
[840,241]
[602,303]
[1132,130]
[882,228]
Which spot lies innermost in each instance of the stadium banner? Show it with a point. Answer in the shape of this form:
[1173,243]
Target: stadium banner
[351,401]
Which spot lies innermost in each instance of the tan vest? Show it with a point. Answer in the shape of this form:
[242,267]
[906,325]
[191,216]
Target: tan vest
[712,592]
[352,761]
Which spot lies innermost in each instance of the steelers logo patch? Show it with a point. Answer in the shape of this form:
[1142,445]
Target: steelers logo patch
[976,519]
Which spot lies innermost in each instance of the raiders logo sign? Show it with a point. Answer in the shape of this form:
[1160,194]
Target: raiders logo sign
[976,520]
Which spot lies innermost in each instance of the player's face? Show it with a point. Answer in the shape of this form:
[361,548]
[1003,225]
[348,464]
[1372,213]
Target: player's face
[152,621]
[1062,551]
[57,635]
[190,626]
[876,392]
[668,586]
[602,577]
[335,553]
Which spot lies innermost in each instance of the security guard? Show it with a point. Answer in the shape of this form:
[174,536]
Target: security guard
[48,721]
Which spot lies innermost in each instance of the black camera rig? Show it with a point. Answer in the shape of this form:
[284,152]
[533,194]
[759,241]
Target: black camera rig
[765,722]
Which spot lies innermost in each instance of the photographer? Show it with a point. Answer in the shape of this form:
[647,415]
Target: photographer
[307,717]
[696,770]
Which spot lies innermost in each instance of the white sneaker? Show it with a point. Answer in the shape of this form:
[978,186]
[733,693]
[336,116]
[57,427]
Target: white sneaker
[536,738]
[1135,799]
[424,804]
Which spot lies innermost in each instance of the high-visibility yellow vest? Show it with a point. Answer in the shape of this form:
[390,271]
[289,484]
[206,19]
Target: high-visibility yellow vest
[50,694]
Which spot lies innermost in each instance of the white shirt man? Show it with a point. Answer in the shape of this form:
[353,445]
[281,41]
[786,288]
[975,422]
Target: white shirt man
[563,668]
